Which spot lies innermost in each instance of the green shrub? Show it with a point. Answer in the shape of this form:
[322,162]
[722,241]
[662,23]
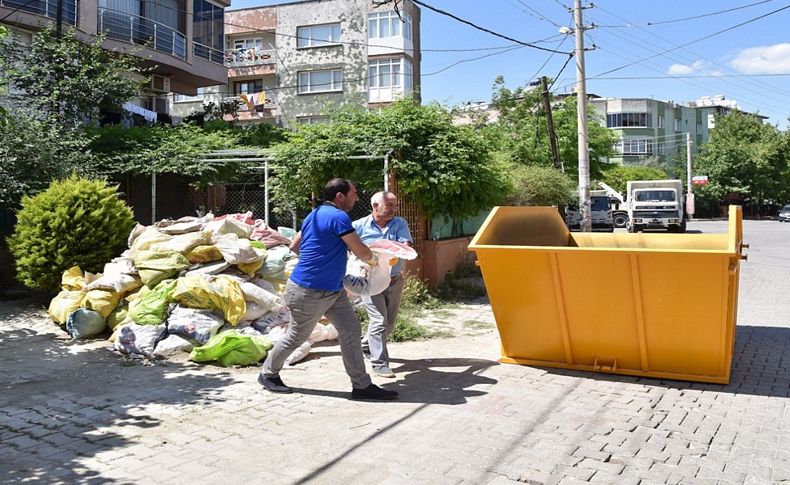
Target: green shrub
[75,221]
[416,294]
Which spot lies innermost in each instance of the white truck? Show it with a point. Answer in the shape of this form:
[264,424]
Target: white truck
[655,204]
[617,203]
[601,214]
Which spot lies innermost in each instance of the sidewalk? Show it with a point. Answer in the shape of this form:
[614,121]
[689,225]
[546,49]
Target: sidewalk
[78,413]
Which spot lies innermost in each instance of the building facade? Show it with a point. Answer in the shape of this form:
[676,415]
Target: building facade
[180,41]
[287,63]
[649,128]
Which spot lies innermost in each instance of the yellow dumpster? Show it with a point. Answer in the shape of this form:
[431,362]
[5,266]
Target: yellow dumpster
[655,305]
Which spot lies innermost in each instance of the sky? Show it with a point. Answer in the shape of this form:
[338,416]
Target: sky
[663,56]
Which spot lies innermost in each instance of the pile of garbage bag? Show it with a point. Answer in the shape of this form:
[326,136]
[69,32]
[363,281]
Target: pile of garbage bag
[208,286]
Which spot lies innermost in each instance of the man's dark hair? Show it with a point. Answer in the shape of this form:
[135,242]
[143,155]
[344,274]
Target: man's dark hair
[334,187]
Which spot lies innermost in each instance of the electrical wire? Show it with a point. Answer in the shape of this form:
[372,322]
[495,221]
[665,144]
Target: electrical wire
[473,59]
[692,42]
[533,13]
[706,76]
[483,29]
[713,62]
[662,22]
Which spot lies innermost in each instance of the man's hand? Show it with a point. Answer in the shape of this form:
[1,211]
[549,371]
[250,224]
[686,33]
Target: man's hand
[373,261]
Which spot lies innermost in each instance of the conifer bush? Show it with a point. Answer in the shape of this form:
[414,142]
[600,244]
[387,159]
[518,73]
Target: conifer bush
[76,221]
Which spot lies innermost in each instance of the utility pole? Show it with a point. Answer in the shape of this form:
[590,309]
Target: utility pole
[690,193]
[581,103]
[59,19]
[555,154]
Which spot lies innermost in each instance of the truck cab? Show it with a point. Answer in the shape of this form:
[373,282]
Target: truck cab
[601,215]
[655,204]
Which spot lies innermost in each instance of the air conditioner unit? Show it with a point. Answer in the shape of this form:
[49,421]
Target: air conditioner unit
[160,84]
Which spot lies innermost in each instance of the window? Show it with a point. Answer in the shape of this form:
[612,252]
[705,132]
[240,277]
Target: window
[312,120]
[660,121]
[182,98]
[388,24]
[628,119]
[248,43]
[385,73]
[317,35]
[319,81]
[677,124]
[635,146]
[248,87]
[208,26]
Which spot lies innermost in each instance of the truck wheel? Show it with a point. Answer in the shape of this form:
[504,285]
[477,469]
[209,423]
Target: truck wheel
[620,220]
[682,226]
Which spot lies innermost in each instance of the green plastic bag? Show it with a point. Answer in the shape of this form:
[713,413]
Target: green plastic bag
[155,267]
[151,308]
[230,348]
[118,315]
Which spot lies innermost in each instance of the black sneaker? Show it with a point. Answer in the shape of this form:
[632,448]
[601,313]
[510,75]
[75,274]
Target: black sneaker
[274,384]
[373,393]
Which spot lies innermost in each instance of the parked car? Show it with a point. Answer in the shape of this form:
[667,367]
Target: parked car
[784,214]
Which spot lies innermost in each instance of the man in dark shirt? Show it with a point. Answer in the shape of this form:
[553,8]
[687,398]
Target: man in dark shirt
[316,288]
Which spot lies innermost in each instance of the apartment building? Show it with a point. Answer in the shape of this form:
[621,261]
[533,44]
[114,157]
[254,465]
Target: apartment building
[181,41]
[650,128]
[286,63]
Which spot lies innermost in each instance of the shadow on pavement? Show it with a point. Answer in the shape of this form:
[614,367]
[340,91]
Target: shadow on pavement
[62,402]
[760,366]
[422,381]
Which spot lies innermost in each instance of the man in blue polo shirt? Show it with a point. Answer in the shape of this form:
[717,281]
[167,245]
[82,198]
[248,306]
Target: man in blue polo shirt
[383,308]
[316,288]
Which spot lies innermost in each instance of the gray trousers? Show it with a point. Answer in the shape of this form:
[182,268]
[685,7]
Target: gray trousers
[383,312]
[307,306]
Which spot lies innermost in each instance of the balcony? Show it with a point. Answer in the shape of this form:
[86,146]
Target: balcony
[265,111]
[252,56]
[208,53]
[132,28]
[47,8]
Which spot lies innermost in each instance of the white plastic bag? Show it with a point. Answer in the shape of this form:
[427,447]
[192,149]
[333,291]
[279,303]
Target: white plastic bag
[137,339]
[267,301]
[172,345]
[193,324]
[366,280]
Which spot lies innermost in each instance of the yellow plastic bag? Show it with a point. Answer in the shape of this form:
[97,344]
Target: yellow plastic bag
[203,254]
[250,268]
[102,302]
[64,303]
[155,267]
[72,279]
[212,293]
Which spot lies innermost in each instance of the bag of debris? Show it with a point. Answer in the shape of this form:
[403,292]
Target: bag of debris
[203,254]
[156,266]
[141,240]
[193,324]
[270,320]
[151,308]
[83,323]
[137,339]
[64,304]
[220,293]
[363,279]
[118,315]
[173,344]
[230,348]
[182,243]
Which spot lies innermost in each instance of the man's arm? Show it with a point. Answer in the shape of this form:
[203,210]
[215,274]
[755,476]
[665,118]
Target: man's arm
[356,246]
[295,243]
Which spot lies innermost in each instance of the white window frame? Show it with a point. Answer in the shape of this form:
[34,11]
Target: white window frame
[306,85]
[399,76]
[635,146]
[307,37]
[395,27]
[677,124]
[660,121]
[250,42]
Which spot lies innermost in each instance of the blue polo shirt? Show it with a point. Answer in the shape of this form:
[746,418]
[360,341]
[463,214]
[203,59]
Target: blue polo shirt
[322,253]
[396,230]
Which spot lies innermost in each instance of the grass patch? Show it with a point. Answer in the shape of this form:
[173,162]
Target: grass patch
[477,324]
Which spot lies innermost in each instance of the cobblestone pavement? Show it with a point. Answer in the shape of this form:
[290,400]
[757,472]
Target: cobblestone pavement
[78,413]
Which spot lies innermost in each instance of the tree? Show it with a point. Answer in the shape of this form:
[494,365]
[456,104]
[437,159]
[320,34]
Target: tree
[522,119]
[618,175]
[539,185]
[66,79]
[33,153]
[444,168]
[744,159]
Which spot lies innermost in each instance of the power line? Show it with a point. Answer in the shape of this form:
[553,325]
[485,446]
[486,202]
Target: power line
[483,29]
[570,56]
[533,13]
[662,22]
[548,59]
[748,87]
[473,59]
[691,42]
[707,76]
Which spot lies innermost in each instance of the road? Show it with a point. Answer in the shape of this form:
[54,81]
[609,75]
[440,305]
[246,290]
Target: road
[74,412]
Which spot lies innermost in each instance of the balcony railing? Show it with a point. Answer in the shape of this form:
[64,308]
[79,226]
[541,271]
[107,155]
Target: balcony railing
[251,56]
[141,30]
[208,53]
[47,8]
